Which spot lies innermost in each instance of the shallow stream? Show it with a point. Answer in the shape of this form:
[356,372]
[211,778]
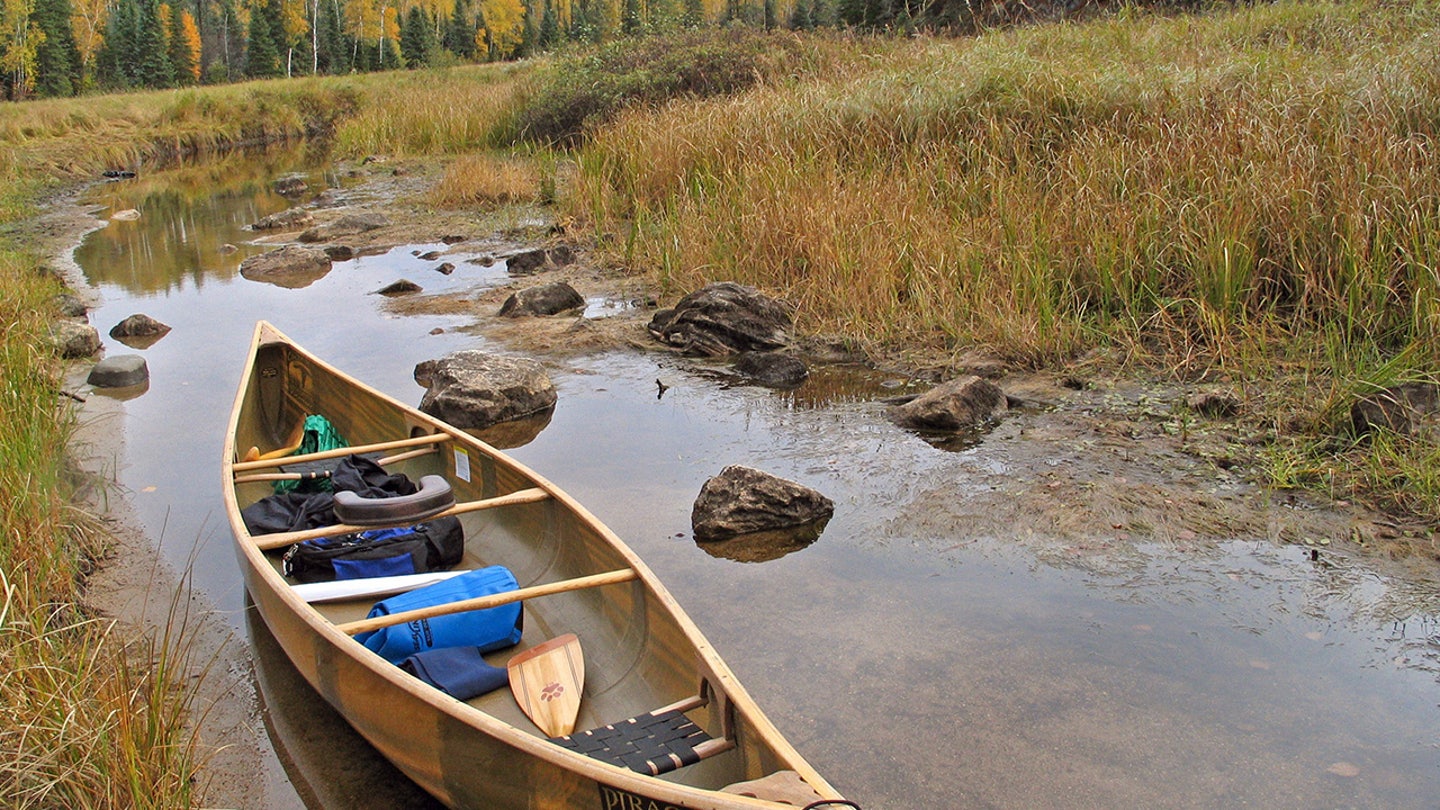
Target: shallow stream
[915,655]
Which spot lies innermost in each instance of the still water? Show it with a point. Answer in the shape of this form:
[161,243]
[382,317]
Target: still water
[914,666]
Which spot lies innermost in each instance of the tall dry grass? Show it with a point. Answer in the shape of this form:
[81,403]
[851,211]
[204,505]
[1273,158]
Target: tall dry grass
[444,111]
[90,722]
[1189,184]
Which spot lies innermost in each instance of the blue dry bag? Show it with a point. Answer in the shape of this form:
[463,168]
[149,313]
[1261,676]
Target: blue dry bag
[490,630]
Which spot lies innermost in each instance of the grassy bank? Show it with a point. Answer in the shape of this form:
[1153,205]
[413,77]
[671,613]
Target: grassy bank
[1251,192]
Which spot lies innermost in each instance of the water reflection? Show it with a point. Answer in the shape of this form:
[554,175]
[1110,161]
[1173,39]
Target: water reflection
[329,764]
[192,223]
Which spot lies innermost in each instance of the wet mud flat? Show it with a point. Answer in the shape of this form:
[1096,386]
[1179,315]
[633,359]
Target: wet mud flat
[1091,602]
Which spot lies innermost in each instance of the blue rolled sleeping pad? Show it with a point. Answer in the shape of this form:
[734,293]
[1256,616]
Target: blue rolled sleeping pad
[487,630]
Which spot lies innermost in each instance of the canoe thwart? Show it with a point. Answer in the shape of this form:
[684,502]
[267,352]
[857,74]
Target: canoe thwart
[265,542]
[341,452]
[490,601]
[433,497]
[306,476]
[653,743]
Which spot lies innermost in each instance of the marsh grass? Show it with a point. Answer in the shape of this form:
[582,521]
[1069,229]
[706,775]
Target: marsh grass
[1185,180]
[443,111]
[88,725]
[1224,191]
[488,180]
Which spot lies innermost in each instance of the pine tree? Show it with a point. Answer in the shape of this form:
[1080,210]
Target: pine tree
[460,31]
[262,56]
[184,46]
[334,53]
[152,54]
[57,60]
[415,38]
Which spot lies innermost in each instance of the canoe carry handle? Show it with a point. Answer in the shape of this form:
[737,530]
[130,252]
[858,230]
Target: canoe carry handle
[433,497]
[486,602]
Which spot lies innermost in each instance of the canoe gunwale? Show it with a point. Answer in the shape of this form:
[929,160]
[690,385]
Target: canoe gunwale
[715,674]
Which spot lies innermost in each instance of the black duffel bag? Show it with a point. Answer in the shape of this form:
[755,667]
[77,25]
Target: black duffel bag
[436,545]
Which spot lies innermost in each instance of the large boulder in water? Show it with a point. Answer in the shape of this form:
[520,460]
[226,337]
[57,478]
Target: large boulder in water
[476,389]
[742,500]
[964,402]
[722,319]
[546,299]
[291,267]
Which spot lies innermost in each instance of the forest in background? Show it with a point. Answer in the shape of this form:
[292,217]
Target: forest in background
[57,48]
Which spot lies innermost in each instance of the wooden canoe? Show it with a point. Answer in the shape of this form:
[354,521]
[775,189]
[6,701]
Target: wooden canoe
[642,654]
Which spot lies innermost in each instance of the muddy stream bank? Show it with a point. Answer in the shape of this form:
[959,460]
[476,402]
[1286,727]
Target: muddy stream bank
[1085,606]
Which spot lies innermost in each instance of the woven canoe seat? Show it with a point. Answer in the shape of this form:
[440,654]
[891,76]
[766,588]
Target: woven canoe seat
[653,743]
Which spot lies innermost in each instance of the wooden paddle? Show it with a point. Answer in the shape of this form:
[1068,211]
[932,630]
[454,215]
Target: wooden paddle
[297,436]
[547,680]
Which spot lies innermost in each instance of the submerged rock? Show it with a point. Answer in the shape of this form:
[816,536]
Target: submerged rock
[402,287]
[964,402]
[139,325]
[772,368]
[476,389]
[546,299]
[139,331]
[291,267]
[120,371]
[741,500]
[724,318]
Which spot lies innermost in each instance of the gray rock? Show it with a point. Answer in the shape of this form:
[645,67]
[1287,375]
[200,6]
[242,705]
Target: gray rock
[348,225]
[772,368]
[291,185]
[742,500]
[291,266]
[476,389]
[724,318]
[291,219]
[546,299]
[71,306]
[527,262]
[1407,408]
[402,287]
[72,339]
[120,371]
[964,402]
[339,253]
[139,325]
